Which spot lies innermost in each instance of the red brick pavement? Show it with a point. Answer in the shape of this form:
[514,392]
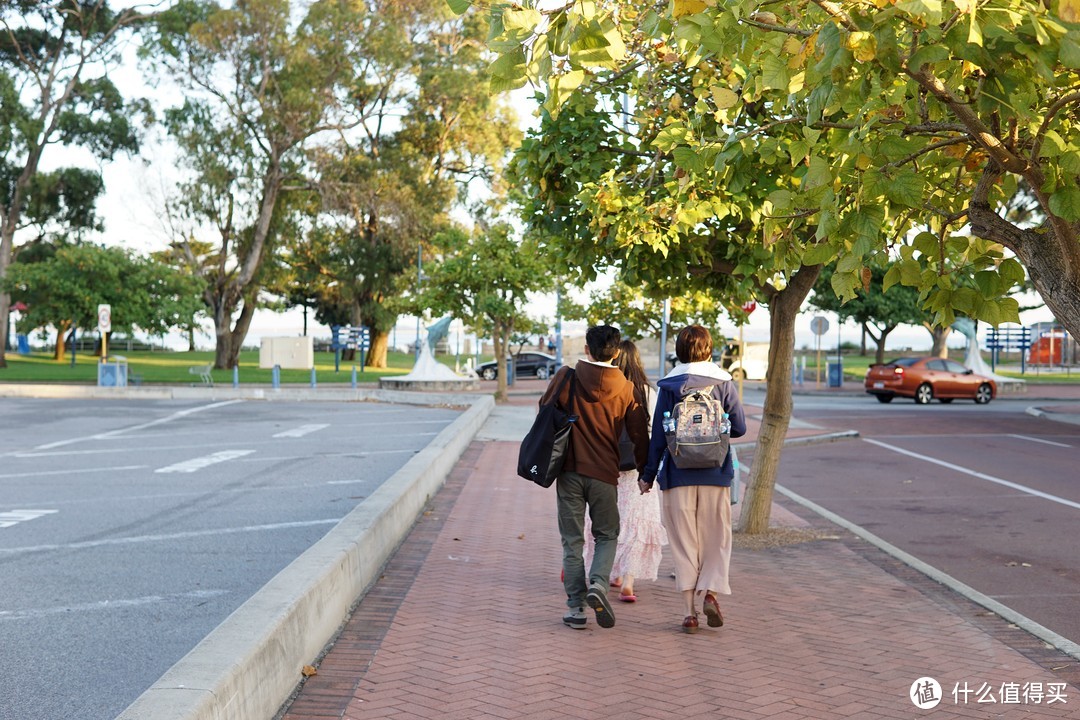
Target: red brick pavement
[466,623]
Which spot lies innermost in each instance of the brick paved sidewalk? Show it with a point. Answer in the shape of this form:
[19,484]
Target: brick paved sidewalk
[466,623]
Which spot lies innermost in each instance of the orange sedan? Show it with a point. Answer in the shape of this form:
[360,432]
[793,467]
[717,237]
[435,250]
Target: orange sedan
[926,378]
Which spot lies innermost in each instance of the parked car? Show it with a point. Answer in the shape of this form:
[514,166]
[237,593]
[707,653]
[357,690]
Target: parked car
[751,365]
[926,378]
[539,364]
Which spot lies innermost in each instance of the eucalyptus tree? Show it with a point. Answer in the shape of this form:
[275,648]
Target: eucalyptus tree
[431,139]
[260,80]
[56,95]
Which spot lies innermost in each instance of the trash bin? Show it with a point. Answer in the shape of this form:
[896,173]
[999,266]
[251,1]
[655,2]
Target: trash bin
[23,343]
[113,372]
[510,370]
[836,374]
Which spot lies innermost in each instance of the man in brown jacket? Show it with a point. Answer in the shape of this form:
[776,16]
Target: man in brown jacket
[604,403]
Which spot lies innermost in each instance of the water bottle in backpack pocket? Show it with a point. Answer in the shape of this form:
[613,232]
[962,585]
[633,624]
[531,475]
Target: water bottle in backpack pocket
[700,431]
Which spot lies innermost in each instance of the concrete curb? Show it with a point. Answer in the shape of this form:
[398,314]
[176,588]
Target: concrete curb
[1072,418]
[250,664]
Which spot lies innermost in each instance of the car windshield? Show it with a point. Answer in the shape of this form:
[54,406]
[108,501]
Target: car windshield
[903,362]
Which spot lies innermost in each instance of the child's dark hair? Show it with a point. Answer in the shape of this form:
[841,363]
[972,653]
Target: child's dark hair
[603,342]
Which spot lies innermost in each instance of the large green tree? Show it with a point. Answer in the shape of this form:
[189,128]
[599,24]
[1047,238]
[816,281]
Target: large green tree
[63,288]
[56,92]
[260,81]
[431,138]
[873,125]
[876,311]
[485,277]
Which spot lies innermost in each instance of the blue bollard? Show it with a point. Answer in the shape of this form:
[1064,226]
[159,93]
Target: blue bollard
[353,377]
[236,376]
[312,377]
[275,377]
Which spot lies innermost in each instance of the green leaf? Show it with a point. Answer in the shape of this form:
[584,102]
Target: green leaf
[1053,145]
[1069,51]
[929,10]
[819,254]
[906,188]
[892,277]
[458,7]
[1065,203]
[928,55]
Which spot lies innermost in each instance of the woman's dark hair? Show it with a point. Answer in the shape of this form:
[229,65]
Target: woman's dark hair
[629,361]
[694,344]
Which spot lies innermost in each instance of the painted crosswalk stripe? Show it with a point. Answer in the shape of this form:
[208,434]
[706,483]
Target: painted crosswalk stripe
[14,517]
[301,431]
[195,464]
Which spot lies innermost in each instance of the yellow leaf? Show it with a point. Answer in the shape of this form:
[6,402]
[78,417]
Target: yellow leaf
[724,98]
[687,7]
[308,671]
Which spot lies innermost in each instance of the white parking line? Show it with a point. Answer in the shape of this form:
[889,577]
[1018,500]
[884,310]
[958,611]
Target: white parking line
[190,466]
[14,517]
[975,473]
[80,471]
[152,423]
[301,431]
[1039,440]
[108,604]
[87,544]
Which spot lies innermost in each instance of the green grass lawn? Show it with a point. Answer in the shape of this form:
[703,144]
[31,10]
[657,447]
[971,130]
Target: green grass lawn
[171,368]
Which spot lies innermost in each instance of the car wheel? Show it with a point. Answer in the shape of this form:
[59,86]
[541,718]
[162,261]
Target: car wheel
[737,374]
[488,373]
[542,373]
[983,394]
[946,401]
[884,398]
[924,394]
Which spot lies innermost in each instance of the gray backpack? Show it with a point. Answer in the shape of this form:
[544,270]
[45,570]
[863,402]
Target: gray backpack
[698,439]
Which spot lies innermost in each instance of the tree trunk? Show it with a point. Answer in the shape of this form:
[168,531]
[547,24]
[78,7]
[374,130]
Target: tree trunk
[862,340]
[500,339]
[380,344]
[62,339]
[783,311]
[879,356]
[939,334]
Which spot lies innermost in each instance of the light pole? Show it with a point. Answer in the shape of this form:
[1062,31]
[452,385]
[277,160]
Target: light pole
[558,327]
[664,318]
[419,279]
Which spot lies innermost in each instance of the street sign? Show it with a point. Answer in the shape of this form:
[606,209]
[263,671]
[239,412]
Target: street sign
[819,325]
[104,318]
[749,307]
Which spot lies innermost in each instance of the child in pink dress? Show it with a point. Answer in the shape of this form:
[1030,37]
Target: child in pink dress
[641,534]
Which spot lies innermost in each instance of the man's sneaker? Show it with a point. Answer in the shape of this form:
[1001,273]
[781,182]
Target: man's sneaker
[597,600]
[575,618]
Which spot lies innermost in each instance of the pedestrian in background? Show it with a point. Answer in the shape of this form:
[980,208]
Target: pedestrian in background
[604,403]
[696,506]
[641,532]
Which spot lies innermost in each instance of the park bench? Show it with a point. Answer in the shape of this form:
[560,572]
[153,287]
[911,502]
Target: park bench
[203,371]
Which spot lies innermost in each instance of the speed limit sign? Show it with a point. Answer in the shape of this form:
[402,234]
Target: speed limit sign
[104,318]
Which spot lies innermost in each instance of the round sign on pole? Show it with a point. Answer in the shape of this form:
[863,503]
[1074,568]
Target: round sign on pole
[749,307]
[819,325]
[104,318]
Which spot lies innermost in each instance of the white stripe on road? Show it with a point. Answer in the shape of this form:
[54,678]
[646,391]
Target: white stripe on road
[79,471]
[975,473]
[1039,440]
[108,604]
[195,464]
[87,544]
[301,431]
[14,517]
[152,423]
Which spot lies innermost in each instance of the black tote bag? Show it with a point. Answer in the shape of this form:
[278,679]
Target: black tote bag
[544,449]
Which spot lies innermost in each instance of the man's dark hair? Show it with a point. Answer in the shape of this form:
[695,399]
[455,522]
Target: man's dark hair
[694,344]
[603,342]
